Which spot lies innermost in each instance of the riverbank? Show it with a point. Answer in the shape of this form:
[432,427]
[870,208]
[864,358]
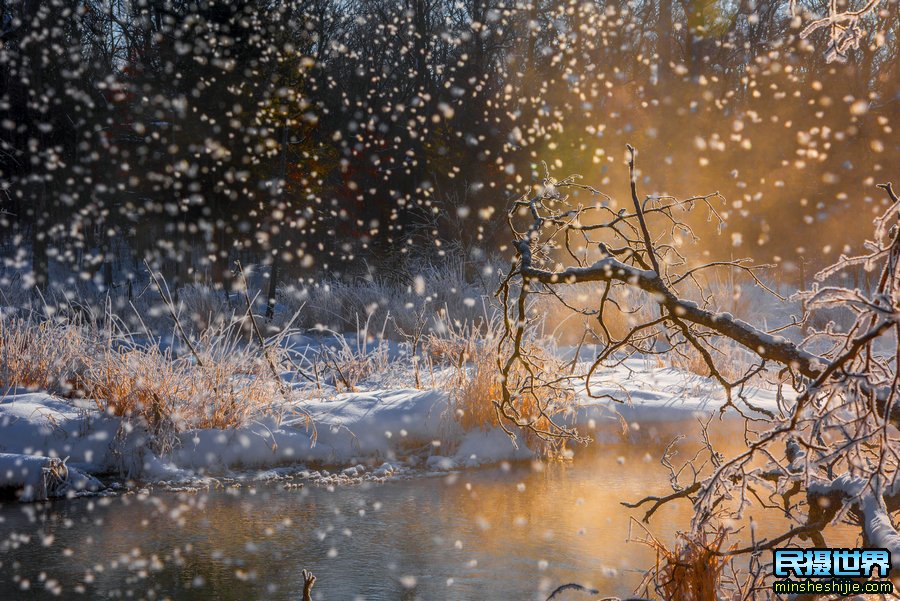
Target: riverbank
[52,446]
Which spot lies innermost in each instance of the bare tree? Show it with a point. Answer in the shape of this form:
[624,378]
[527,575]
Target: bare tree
[828,454]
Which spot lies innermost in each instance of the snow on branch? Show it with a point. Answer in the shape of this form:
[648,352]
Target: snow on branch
[870,501]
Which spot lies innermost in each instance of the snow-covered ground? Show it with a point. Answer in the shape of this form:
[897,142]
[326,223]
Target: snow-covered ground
[374,434]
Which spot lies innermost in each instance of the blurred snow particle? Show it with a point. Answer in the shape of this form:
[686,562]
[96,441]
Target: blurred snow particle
[860,107]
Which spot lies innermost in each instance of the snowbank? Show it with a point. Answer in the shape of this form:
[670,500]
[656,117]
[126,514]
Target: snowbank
[646,393]
[403,427]
[36,478]
[40,424]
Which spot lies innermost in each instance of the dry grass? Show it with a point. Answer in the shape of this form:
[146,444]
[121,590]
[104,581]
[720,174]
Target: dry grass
[396,298]
[471,350]
[205,307]
[224,385]
[40,355]
[222,379]
[354,359]
[225,389]
[693,571]
[477,387]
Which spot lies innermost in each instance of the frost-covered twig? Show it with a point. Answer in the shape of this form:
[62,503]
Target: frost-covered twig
[844,27]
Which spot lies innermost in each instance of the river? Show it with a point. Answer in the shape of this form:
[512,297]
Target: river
[505,532]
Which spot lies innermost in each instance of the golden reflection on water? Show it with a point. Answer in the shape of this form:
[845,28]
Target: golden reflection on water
[509,532]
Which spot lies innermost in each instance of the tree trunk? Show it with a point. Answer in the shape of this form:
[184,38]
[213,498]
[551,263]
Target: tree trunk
[40,261]
[664,33]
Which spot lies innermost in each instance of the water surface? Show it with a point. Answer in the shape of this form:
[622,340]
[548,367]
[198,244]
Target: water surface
[505,532]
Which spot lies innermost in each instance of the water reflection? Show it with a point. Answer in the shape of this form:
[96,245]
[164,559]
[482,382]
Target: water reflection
[511,532]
